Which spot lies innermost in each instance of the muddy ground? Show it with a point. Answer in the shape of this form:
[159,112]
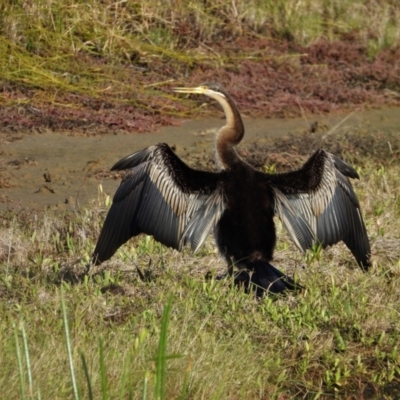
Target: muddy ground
[63,171]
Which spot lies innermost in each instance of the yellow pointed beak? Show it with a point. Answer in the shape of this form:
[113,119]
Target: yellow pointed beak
[196,90]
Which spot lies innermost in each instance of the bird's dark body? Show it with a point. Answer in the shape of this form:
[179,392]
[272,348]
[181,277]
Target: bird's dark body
[246,230]
[161,196]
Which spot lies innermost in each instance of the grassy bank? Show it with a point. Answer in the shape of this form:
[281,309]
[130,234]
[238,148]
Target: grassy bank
[73,64]
[122,29]
[340,336]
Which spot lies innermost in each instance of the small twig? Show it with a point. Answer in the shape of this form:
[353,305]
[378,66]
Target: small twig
[162,83]
[10,247]
[337,125]
[390,147]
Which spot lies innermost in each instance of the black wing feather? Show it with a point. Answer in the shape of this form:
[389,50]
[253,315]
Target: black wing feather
[321,197]
[160,196]
[118,227]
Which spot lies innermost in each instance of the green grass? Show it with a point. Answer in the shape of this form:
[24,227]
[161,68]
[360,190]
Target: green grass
[119,335]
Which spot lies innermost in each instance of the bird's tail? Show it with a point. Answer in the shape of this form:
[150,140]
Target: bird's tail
[265,277]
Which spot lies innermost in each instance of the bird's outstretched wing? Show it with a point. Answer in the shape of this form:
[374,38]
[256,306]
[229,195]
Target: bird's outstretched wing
[160,196]
[317,204]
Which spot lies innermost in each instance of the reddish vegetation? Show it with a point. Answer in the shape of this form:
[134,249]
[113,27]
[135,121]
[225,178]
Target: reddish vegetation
[321,78]
[267,79]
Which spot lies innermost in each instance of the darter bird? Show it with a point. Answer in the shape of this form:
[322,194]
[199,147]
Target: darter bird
[178,205]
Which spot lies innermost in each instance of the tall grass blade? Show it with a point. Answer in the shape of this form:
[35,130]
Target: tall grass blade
[145,385]
[27,359]
[87,375]
[161,364]
[127,363]
[185,386]
[69,350]
[20,367]
[103,371]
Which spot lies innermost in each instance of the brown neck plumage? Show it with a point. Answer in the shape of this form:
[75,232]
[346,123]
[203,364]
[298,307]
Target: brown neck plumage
[230,134]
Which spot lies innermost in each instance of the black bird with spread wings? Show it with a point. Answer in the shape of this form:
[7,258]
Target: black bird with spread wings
[163,197]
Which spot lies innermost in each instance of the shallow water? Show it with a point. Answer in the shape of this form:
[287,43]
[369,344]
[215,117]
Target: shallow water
[57,170]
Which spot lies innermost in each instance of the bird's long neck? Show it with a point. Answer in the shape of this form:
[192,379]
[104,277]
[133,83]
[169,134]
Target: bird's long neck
[229,135]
